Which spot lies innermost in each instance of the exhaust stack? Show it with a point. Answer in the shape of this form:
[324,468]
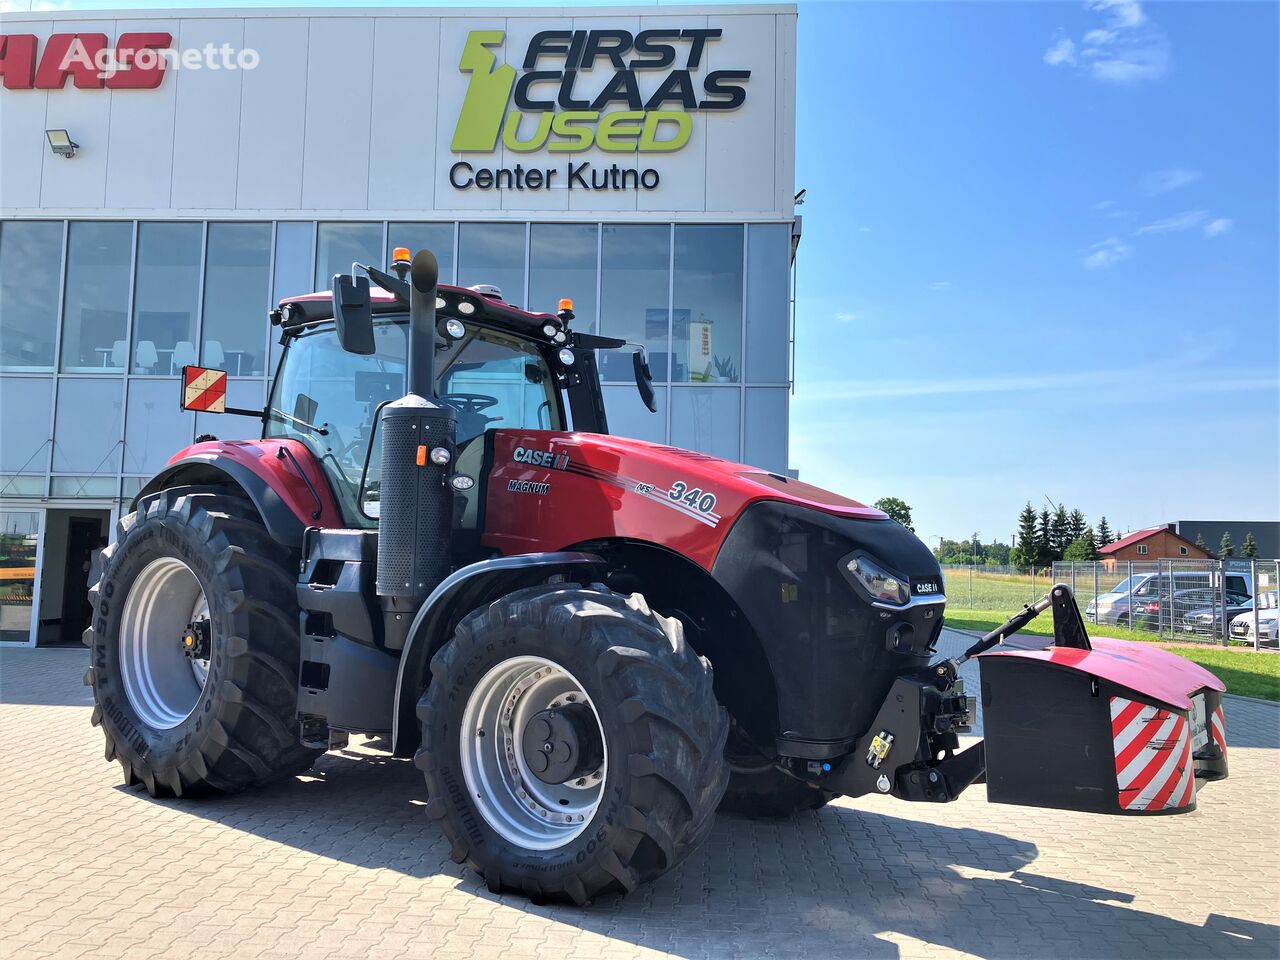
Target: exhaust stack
[419,434]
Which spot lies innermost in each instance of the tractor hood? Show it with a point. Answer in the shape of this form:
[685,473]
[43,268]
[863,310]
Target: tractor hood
[550,490]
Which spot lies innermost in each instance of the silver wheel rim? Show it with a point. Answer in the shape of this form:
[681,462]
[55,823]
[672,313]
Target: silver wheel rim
[511,799]
[162,683]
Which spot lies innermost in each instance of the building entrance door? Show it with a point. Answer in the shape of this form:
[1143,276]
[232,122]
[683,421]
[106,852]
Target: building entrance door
[73,539]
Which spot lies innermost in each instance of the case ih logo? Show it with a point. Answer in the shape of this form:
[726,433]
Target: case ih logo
[80,57]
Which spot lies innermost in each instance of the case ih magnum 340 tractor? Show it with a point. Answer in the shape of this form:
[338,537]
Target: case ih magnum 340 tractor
[587,643]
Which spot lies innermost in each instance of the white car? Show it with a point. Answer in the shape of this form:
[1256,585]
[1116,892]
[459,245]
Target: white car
[1268,622]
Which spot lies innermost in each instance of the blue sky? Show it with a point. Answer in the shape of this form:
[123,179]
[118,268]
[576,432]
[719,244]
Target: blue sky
[1040,257]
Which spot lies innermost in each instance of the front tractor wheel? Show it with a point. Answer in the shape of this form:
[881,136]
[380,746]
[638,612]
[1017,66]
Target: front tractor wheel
[194,650]
[571,743]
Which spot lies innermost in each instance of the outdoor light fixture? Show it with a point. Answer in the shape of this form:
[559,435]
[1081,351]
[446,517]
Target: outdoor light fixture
[60,143]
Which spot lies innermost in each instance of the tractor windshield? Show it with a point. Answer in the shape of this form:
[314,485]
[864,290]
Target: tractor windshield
[326,397]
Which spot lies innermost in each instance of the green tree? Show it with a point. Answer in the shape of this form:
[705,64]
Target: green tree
[1059,534]
[1200,542]
[1079,549]
[977,549]
[1092,539]
[1250,548]
[1226,548]
[1024,552]
[1076,525]
[1105,535]
[1044,540]
[897,509]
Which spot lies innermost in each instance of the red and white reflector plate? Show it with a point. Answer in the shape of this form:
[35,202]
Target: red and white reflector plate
[205,389]
[1154,769]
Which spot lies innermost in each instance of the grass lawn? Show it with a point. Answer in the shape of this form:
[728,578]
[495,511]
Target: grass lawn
[1245,672]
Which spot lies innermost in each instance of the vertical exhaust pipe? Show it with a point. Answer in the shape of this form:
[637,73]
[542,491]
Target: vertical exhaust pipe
[419,433]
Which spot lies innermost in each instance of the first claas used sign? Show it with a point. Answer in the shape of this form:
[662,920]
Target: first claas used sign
[204,389]
[76,56]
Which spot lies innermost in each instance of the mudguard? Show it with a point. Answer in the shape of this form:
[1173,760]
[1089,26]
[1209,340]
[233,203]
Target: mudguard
[281,477]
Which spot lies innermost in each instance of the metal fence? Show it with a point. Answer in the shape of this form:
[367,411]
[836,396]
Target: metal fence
[1205,601]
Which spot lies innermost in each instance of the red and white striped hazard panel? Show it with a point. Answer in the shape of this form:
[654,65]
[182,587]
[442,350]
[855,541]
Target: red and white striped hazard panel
[1218,729]
[1154,769]
[204,389]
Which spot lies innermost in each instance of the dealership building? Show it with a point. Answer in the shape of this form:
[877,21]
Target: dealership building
[167,177]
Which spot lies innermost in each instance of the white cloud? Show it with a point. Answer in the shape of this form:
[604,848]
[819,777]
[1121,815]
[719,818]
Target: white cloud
[1127,48]
[864,229]
[1110,208]
[1175,224]
[33,6]
[1062,52]
[1216,228]
[1163,181]
[939,284]
[846,317]
[1107,253]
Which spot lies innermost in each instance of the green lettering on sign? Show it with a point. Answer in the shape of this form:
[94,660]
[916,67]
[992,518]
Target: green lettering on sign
[480,120]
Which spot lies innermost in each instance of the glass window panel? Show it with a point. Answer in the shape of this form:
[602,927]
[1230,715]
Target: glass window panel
[30,268]
[706,319]
[156,428]
[295,242]
[635,290]
[236,291]
[91,486]
[19,545]
[705,419]
[436,237]
[95,317]
[629,417]
[86,436]
[341,244]
[768,323]
[24,424]
[22,486]
[562,263]
[493,253]
[245,394]
[166,295]
[767,429]
[130,487]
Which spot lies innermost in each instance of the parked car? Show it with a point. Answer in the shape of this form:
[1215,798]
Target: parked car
[1207,620]
[1142,590]
[1268,622]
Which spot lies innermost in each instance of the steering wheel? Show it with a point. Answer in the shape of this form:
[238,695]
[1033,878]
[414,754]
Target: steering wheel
[470,403]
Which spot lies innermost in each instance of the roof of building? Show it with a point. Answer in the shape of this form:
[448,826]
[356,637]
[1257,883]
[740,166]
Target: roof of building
[1138,536]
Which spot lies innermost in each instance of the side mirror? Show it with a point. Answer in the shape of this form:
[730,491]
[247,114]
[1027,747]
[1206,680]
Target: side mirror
[353,314]
[644,379]
[304,409]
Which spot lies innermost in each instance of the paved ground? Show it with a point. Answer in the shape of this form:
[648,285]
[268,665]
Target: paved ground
[344,863]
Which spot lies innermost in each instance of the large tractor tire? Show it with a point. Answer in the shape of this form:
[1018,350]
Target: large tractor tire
[571,743]
[194,642]
[760,791]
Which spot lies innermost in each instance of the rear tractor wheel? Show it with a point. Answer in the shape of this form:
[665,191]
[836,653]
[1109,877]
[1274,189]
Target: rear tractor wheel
[194,647]
[571,743]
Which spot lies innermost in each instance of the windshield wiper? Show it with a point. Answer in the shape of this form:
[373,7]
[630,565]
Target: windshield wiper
[289,418]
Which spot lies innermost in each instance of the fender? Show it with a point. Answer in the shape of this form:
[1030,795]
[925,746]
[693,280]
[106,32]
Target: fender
[458,594]
[268,472]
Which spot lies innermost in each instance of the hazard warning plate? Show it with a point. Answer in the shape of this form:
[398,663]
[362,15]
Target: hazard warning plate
[1199,724]
[204,389]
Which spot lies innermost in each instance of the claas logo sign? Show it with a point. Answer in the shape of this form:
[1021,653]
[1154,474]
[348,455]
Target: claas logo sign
[204,389]
[79,57]
[550,111]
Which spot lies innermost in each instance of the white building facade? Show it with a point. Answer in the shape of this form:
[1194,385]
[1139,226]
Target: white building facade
[637,160]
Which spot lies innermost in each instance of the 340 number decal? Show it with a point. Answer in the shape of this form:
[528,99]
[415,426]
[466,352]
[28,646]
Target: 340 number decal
[702,502]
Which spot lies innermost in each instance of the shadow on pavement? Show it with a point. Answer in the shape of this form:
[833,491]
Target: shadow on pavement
[836,881]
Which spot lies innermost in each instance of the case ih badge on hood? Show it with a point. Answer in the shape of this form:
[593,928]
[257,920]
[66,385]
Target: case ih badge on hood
[422,550]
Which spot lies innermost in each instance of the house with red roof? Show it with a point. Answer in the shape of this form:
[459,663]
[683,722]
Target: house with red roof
[1154,543]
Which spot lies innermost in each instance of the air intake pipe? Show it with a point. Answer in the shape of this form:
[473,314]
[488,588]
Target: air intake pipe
[419,434]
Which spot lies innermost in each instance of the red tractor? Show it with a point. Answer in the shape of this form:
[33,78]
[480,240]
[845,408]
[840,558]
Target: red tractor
[420,549]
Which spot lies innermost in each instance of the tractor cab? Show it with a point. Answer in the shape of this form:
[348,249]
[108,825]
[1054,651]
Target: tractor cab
[494,365]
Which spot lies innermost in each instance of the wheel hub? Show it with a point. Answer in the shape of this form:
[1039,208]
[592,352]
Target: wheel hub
[562,745]
[196,639]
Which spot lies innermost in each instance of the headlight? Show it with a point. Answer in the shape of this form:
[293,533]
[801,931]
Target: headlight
[883,586]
